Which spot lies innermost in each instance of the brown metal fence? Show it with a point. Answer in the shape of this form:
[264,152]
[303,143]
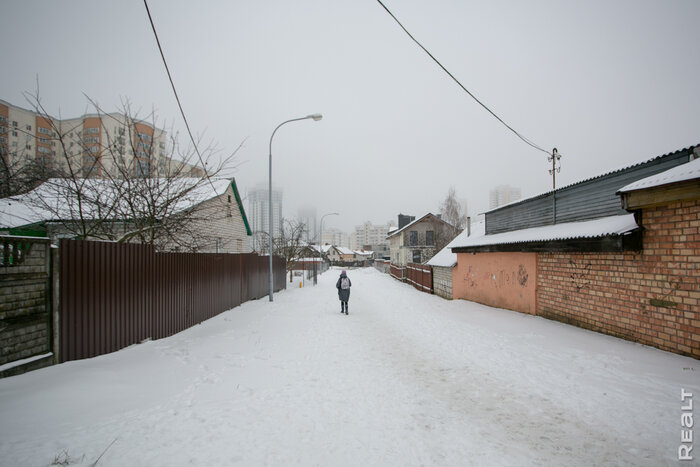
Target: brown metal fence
[113,295]
[397,272]
[420,276]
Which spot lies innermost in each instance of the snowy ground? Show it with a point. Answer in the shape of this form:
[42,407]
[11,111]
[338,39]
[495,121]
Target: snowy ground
[406,379]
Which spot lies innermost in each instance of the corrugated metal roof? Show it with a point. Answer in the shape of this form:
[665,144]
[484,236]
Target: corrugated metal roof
[589,199]
[603,227]
[621,169]
[681,173]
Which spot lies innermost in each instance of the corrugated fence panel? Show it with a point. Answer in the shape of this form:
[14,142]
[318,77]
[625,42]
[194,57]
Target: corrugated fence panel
[114,295]
[420,276]
[397,272]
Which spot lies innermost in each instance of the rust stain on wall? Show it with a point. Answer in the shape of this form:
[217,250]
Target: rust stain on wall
[497,279]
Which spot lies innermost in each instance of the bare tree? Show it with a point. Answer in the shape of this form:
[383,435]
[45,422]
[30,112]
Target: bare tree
[19,173]
[452,210]
[291,245]
[444,234]
[126,186]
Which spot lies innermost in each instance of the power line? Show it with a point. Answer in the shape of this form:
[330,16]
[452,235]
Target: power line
[177,98]
[527,141]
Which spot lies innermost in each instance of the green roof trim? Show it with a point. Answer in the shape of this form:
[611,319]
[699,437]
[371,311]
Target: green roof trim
[37,229]
[240,206]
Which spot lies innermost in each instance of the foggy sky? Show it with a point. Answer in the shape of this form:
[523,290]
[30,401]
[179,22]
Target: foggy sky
[609,83]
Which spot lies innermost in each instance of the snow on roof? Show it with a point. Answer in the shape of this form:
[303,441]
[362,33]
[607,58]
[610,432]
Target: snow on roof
[344,251]
[364,252]
[445,257]
[59,202]
[680,173]
[394,232]
[311,246]
[613,225]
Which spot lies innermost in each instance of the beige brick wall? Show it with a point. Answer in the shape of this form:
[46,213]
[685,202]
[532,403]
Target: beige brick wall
[220,218]
[652,297]
[442,281]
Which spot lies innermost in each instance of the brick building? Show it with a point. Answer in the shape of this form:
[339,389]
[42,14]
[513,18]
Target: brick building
[617,254]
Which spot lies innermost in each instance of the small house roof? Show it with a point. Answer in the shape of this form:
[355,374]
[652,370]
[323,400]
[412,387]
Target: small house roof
[396,232]
[680,173]
[58,203]
[364,252]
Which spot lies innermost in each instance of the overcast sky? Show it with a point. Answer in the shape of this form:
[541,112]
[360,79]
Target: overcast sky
[609,83]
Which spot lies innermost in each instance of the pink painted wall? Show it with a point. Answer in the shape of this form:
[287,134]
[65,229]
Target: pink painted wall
[503,280]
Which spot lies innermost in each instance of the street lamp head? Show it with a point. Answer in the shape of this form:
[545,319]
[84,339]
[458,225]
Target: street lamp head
[316,117]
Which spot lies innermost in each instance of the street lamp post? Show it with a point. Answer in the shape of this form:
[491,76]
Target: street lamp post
[315,117]
[320,240]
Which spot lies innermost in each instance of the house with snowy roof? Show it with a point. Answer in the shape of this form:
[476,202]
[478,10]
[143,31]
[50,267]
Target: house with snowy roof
[188,214]
[419,240]
[340,254]
[618,253]
[364,255]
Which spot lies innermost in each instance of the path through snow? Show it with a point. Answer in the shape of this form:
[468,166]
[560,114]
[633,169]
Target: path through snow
[406,379]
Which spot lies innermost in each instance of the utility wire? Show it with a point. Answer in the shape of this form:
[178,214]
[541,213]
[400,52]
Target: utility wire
[177,98]
[530,143]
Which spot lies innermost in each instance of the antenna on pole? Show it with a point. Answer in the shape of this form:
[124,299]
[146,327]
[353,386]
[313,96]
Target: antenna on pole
[554,158]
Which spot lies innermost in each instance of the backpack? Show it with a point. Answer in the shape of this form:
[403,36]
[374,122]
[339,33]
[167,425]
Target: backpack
[344,283]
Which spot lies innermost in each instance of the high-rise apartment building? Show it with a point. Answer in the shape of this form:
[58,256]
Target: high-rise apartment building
[503,194]
[259,214]
[369,234]
[337,237]
[307,216]
[93,145]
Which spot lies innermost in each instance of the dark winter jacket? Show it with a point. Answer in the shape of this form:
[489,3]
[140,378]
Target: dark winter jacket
[343,295]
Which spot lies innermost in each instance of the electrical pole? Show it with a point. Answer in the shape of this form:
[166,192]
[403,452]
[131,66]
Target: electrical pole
[554,158]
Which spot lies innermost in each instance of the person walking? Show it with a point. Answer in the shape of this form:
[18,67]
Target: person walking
[343,285]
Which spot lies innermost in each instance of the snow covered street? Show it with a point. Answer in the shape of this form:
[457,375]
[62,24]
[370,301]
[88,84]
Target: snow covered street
[406,379]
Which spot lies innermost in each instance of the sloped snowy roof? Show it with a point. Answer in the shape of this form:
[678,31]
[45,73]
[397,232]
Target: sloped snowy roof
[445,257]
[681,173]
[344,251]
[613,225]
[394,232]
[59,200]
[364,252]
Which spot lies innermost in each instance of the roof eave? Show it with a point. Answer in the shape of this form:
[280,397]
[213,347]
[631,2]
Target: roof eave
[658,195]
[240,207]
[614,243]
